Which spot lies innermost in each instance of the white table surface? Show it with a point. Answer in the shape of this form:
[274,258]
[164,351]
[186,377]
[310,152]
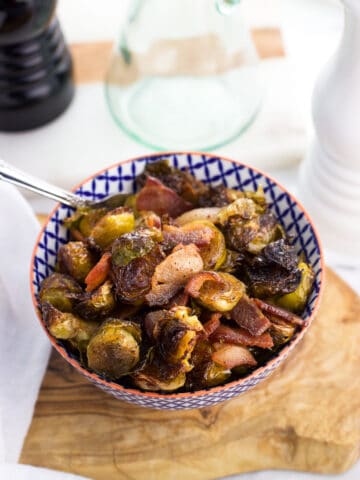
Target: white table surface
[86,139]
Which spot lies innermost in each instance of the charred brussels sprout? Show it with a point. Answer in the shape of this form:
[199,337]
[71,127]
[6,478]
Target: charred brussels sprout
[60,291]
[178,336]
[206,373]
[111,226]
[296,301]
[133,281]
[281,331]
[218,292]
[97,304]
[67,326]
[114,349]
[76,259]
[274,271]
[155,375]
[269,231]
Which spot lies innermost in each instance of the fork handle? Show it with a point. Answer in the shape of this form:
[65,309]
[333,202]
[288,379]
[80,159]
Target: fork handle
[17,177]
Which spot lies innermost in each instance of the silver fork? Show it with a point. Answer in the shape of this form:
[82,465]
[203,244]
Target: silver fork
[17,177]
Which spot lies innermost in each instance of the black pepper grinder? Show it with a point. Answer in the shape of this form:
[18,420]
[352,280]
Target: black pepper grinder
[35,65]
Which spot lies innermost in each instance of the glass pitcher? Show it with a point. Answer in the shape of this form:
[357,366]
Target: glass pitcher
[184,74]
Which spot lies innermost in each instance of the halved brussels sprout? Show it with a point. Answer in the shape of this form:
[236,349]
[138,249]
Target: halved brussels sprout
[242,207]
[269,231]
[216,291]
[177,337]
[296,301]
[98,303]
[114,349]
[60,290]
[133,281]
[112,225]
[206,373]
[281,331]
[76,259]
[67,326]
[155,375]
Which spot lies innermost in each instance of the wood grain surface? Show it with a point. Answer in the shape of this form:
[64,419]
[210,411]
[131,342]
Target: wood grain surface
[305,417]
[91,60]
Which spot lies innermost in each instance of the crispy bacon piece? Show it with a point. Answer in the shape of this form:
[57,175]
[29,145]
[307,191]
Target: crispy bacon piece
[240,336]
[173,273]
[201,235]
[247,315]
[230,356]
[155,196]
[279,313]
[211,325]
[98,273]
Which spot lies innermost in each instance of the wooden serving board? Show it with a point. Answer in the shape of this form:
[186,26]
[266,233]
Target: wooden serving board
[305,417]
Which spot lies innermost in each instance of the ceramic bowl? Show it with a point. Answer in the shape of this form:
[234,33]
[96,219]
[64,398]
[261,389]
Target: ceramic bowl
[215,170]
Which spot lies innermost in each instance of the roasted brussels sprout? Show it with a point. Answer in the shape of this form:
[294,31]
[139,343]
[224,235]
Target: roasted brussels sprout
[97,304]
[281,331]
[130,246]
[156,375]
[206,373]
[67,326]
[269,231]
[112,225]
[216,291]
[270,280]
[243,208]
[274,271]
[177,337]
[76,259]
[133,281]
[296,300]
[83,221]
[60,290]
[114,349]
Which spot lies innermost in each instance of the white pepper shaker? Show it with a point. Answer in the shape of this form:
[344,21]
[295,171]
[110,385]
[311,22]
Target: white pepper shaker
[330,175]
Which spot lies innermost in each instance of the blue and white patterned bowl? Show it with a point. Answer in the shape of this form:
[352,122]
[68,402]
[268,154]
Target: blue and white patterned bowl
[212,169]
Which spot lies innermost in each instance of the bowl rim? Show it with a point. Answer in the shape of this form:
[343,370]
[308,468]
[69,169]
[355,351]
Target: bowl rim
[198,393]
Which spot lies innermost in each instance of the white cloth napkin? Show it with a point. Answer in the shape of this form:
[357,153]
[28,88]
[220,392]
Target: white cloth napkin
[24,348]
